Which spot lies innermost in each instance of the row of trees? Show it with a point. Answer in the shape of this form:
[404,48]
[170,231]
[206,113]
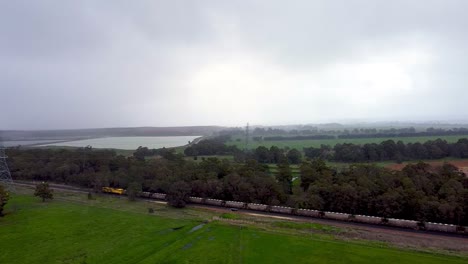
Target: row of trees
[371,152]
[418,192]
[389,150]
[274,155]
[346,152]
[306,131]
[217,146]
[403,133]
[357,134]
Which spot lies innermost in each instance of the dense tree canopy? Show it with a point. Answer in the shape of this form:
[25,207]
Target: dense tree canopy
[178,194]
[133,190]
[273,155]
[419,191]
[213,146]
[389,150]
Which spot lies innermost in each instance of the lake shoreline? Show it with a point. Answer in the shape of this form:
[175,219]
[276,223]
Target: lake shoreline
[125,143]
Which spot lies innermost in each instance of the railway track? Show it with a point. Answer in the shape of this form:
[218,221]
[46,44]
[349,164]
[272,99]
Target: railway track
[396,231]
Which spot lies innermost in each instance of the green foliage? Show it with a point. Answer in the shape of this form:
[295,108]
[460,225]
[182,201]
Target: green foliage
[284,177]
[316,170]
[211,146]
[133,190]
[300,144]
[276,155]
[4,197]
[418,192]
[389,150]
[178,194]
[294,156]
[44,192]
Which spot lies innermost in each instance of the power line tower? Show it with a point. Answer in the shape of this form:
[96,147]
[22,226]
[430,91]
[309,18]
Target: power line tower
[5,176]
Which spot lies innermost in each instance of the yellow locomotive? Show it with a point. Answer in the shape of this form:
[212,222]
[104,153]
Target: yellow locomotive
[113,190]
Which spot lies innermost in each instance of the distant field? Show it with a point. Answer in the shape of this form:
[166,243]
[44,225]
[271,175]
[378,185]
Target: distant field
[80,231]
[299,144]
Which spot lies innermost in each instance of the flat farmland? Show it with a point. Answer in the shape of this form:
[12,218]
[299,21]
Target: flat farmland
[300,144]
[110,230]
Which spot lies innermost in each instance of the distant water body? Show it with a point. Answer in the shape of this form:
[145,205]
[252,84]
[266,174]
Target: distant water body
[129,143]
[15,143]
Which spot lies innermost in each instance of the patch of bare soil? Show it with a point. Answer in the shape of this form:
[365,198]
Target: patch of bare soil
[461,164]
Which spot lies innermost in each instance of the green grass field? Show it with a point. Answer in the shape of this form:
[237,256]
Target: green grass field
[111,230]
[300,144]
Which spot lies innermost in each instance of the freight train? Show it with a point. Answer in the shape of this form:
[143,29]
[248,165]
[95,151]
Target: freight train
[409,224]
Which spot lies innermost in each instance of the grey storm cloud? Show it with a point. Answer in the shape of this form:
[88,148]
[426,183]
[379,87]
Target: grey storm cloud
[78,64]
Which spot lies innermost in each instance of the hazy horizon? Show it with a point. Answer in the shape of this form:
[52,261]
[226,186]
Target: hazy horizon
[88,64]
[346,124]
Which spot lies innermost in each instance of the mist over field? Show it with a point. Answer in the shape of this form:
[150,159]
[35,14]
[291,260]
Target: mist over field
[94,64]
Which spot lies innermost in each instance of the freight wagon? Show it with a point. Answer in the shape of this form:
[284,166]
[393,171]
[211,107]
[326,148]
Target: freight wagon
[402,223]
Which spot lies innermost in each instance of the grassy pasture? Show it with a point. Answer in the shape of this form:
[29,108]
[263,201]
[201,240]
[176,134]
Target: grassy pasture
[300,144]
[112,230]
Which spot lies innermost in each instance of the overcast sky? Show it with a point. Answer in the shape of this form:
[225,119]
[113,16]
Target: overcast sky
[85,64]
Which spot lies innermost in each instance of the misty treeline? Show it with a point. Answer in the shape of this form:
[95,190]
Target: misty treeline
[401,133]
[206,147]
[309,137]
[419,192]
[217,146]
[271,155]
[389,150]
[310,132]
